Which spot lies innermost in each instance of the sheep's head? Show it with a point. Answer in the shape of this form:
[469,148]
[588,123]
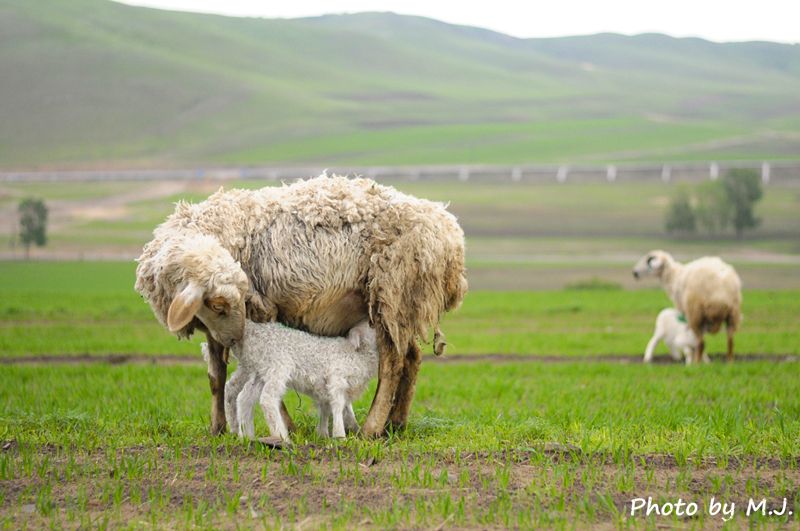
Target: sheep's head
[651,264]
[213,289]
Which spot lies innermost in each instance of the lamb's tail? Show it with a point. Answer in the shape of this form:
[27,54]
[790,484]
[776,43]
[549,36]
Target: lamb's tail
[439,341]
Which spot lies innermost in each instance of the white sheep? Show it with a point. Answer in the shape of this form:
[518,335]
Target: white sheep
[671,327]
[707,291]
[320,255]
[334,371]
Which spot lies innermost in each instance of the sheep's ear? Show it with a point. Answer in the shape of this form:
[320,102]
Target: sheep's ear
[654,262]
[184,307]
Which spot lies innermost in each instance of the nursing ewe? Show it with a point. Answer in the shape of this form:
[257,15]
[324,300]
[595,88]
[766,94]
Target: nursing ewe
[320,255]
[707,291]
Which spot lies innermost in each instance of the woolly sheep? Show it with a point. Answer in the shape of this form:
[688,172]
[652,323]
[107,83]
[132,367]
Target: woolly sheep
[707,291]
[334,371]
[671,328]
[320,255]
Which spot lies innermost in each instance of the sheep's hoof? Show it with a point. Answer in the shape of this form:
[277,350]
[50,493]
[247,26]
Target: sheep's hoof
[273,442]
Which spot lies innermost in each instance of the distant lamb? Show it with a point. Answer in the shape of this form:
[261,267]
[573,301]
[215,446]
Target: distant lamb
[707,291]
[334,371]
[671,327]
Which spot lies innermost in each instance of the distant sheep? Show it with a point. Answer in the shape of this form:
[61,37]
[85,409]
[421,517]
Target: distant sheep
[334,371]
[707,291]
[320,255]
[672,329]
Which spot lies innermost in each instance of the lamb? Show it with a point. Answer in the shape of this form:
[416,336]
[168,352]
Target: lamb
[320,255]
[273,358]
[671,327]
[707,291]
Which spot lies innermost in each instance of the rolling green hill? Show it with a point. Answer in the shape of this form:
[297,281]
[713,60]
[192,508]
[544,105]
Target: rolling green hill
[91,82]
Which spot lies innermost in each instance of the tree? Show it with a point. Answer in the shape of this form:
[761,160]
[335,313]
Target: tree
[680,217]
[743,189]
[713,209]
[32,223]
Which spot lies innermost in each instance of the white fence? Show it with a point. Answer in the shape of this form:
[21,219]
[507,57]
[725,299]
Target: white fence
[771,172]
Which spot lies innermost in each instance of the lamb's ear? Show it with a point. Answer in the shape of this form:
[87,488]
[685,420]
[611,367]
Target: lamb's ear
[184,307]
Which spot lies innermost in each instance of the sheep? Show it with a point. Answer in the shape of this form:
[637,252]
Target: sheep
[707,291]
[320,255]
[273,358]
[671,327]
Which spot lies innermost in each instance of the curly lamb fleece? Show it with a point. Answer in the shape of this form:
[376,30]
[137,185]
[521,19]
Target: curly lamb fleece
[319,255]
[334,371]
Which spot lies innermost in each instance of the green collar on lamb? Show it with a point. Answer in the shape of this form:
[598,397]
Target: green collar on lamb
[681,318]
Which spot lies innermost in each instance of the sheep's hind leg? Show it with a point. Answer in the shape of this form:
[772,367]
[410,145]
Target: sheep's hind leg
[398,417]
[730,346]
[699,351]
[324,418]
[350,422]
[389,371]
[217,374]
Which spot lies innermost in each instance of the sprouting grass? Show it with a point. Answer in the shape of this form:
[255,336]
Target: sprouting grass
[92,308]
[487,445]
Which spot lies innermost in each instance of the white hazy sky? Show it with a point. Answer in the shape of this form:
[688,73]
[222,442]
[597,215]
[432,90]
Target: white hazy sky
[717,20]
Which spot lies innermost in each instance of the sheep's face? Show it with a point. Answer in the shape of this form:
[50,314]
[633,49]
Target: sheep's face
[651,264]
[221,310]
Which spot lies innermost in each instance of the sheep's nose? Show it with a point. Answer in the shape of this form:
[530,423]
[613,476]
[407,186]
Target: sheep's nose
[636,275]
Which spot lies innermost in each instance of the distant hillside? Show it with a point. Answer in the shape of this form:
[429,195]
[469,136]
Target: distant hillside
[91,82]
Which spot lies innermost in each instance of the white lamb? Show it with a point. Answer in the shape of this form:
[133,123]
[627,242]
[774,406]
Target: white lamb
[272,357]
[671,328]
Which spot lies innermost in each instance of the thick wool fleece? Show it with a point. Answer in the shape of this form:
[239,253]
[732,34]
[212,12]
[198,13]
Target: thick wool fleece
[320,254]
[273,358]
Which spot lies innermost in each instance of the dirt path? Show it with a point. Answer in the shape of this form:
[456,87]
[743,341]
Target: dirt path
[179,359]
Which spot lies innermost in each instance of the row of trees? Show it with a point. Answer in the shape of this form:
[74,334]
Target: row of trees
[716,205]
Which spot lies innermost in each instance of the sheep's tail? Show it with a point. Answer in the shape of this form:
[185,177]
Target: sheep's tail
[439,341]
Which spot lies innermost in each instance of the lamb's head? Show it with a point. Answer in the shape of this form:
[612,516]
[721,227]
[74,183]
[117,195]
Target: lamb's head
[652,264]
[211,287]
[362,337]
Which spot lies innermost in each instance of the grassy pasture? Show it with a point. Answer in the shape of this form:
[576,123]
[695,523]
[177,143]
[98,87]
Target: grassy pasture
[91,308]
[522,445]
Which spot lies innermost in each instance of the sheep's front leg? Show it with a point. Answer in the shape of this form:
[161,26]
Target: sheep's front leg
[398,417]
[217,374]
[232,390]
[390,367]
[245,404]
[270,402]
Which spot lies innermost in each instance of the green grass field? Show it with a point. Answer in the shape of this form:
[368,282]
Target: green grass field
[91,308]
[557,436]
[488,445]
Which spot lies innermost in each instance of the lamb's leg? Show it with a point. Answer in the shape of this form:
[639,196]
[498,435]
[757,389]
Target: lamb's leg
[232,390]
[245,404]
[324,418]
[350,422]
[651,346]
[270,402]
[390,367]
[217,374]
[337,405]
[398,417]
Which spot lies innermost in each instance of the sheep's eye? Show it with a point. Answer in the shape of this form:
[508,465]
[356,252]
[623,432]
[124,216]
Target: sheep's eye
[650,260]
[218,306]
